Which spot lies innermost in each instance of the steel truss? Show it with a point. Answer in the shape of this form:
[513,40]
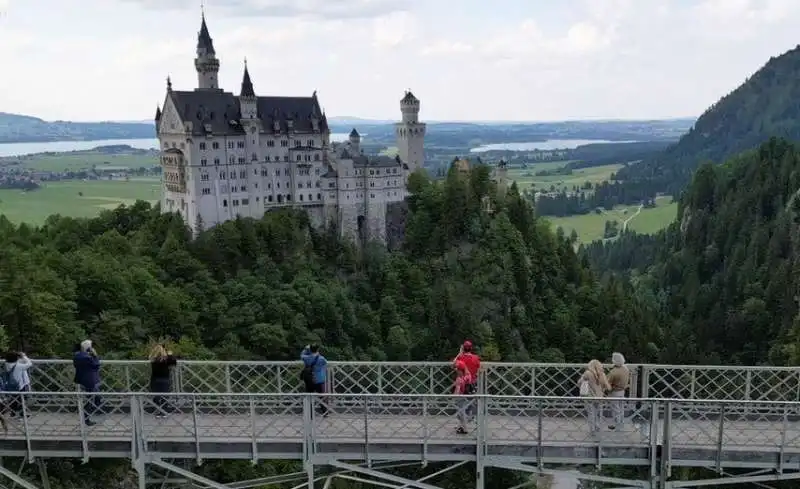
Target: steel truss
[657,481]
[17,479]
[365,473]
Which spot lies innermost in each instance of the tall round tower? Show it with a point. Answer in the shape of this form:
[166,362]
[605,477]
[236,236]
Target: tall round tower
[206,62]
[410,133]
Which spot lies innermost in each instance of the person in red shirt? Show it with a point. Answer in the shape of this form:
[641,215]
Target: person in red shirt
[460,388]
[472,362]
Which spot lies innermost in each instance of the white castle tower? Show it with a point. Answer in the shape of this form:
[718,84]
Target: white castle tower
[206,62]
[410,133]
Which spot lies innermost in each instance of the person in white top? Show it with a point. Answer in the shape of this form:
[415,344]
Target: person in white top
[16,378]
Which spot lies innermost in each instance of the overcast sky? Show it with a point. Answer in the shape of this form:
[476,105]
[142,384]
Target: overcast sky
[465,59]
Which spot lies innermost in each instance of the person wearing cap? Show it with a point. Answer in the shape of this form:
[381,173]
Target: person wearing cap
[472,363]
[463,381]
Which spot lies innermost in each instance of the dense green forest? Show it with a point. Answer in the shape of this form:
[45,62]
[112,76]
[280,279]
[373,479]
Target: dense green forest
[766,105]
[475,264]
[725,271]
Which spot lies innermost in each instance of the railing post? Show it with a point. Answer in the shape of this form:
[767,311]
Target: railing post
[26,426]
[533,381]
[645,394]
[693,384]
[196,431]
[128,381]
[228,385]
[379,380]
[480,440]
[666,445]
[367,456]
[720,436]
[308,439]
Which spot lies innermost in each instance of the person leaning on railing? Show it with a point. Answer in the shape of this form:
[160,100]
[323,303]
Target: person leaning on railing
[619,378]
[16,379]
[472,363]
[161,363]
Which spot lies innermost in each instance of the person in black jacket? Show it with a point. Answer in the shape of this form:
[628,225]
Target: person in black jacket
[161,363]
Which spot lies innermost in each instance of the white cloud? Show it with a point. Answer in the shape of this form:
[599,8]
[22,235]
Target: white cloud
[529,60]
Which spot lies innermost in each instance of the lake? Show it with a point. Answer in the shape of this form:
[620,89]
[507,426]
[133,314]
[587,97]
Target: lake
[549,145]
[19,149]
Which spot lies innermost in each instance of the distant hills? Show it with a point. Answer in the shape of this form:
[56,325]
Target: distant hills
[16,128]
[21,128]
[766,105]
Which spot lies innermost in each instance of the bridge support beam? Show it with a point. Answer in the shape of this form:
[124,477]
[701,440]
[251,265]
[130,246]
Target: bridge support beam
[387,480]
[745,479]
[188,474]
[16,478]
[532,469]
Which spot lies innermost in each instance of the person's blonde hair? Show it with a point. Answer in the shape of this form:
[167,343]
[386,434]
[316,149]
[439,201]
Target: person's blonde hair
[157,351]
[596,369]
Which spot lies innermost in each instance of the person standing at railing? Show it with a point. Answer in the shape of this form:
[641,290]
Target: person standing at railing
[467,356]
[161,363]
[16,379]
[315,373]
[461,388]
[593,383]
[87,376]
[619,378]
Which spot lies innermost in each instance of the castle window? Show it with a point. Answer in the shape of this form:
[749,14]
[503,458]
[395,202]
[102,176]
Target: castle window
[257,200]
[231,159]
[394,171]
[214,145]
[310,197]
[235,203]
[319,196]
[310,143]
[245,201]
[316,172]
[277,184]
[240,144]
[288,197]
[277,173]
[299,157]
[280,199]
[203,162]
[372,195]
[284,143]
[301,197]
[254,157]
[222,176]
[206,191]
[244,188]
[224,202]
[285,157]
[203,146]
[242,174]
[216,161]
[297,144]
[269,185]
[319,184]
[299,185]
[316,156]
[204,177]
[230,144]
[241,160]
[269,198]
[271,143]
[277,158]
[255,171]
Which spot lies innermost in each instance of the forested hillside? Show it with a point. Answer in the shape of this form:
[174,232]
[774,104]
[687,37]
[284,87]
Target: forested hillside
[766,105]
[726,270]
[20,128]
[475,264]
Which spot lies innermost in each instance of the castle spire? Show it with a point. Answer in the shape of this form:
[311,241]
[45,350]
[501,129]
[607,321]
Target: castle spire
[204,40]
[247,83]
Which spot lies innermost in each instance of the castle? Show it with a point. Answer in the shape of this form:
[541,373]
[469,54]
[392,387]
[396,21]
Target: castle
[225,156]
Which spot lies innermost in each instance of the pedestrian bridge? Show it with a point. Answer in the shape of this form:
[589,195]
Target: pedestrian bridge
[529,434]
[504,379]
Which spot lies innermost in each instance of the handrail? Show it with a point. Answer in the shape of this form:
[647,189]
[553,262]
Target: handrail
[540,379]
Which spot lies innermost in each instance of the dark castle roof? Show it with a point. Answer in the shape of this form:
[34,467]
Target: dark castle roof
[409,98]
[247,84]
[354,133]
[204,38]
[221,112]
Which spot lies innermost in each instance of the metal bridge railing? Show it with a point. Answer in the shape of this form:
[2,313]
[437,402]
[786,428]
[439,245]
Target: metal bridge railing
[508,379]
[206,423]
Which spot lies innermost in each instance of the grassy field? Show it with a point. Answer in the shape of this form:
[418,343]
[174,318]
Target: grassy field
[590,227]
[75,198]
[527,178]
[83,160]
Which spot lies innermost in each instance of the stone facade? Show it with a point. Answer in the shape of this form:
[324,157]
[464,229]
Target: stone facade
[225,156]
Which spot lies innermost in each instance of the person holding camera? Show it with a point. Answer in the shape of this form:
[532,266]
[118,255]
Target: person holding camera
[161,363]
[87,376]
[16,379]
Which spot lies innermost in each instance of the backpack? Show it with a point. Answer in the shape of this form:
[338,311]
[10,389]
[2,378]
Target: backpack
[7,381]
[307,374]
[584,388]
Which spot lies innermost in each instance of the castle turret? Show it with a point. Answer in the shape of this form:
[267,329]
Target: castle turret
[206,62]
[247,97]
[410,133]
[355,142]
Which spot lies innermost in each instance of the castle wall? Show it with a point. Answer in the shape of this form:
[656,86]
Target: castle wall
[396,217]
[376,221]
